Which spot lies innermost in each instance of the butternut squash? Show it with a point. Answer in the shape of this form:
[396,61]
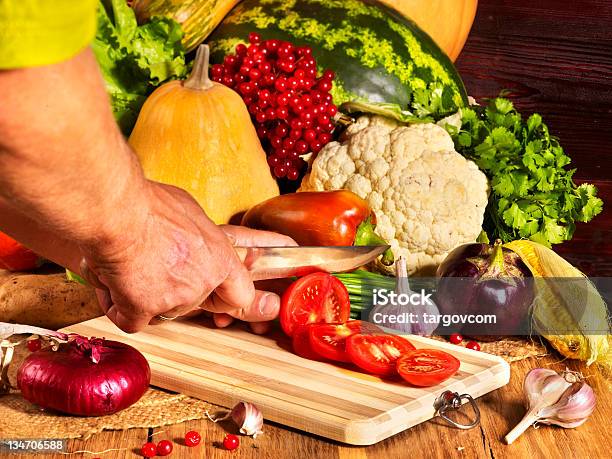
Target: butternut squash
[197,135]
[448,22]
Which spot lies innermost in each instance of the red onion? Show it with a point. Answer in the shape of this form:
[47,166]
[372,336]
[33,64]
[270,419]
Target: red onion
[85,377]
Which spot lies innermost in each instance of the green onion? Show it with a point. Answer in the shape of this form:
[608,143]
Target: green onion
[360,285]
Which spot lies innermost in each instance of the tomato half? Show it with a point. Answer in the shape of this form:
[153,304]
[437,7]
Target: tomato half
[315,298]
[329,340]
[427,367]
[301,343]
[377,354]
[15,257]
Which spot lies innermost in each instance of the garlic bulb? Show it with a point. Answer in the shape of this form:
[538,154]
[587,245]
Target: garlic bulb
[417,325]
[563,400]
[246,416]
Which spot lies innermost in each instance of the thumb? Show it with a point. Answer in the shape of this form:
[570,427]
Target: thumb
[264,307]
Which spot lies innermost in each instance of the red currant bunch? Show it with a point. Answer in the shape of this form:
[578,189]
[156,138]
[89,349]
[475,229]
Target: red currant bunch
[290,105]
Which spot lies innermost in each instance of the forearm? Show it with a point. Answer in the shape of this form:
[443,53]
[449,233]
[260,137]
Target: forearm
[63,162]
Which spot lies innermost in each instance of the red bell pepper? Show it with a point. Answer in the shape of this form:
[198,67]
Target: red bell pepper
[16,257]
[319,218]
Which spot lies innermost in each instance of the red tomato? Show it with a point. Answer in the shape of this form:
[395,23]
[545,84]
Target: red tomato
[328,340]
[377,354]
[15,257]
[301,344]
[317,297]
[427,367]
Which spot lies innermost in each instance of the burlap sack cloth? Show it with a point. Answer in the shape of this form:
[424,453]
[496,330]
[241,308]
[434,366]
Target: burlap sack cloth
[21,419]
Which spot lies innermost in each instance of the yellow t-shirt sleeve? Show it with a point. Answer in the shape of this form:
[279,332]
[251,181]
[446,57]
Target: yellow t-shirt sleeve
[43,32]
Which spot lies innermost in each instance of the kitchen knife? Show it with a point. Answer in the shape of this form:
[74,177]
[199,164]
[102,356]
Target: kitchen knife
[280,262]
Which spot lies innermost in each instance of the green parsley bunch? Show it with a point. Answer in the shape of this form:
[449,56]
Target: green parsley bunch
[533,195]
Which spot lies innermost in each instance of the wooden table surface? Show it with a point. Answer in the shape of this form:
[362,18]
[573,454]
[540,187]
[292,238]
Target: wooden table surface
[555,57]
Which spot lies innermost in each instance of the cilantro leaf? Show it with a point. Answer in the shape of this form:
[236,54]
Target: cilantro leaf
[533,194]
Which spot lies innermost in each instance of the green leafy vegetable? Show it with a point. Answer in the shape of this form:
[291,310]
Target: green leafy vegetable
[533,195]
[135,59]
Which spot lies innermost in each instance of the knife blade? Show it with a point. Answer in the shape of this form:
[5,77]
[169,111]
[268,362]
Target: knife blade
[280,262]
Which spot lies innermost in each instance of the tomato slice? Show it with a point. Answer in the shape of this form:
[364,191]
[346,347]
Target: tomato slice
[377,354]
[328,340]
[315,298]
[301,343]
[427,367]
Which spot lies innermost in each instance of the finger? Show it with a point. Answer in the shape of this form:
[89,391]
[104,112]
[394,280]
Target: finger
[260,328]
[237,290]
[246,237]
[265,307]
[127,322]
[222,320]
[104,299]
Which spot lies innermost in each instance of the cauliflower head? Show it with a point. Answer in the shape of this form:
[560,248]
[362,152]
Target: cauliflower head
[428,198]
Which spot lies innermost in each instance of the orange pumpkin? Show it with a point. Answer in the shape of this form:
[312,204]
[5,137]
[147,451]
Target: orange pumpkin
[448,22]
[197,135]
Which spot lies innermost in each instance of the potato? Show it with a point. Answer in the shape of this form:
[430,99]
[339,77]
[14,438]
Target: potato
[45,300]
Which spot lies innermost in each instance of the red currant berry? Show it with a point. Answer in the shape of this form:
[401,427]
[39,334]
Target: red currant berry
[265,67]
[307,50]
[282,153]
[456,338]
[311,73]
[293,83]
[228,81]
[327,98]
[244,70]
[232,442]
[216,70]
[164,448]
[293,154]
[259,57]
[230,61]
[269,79]
[324,85]
[287,67]
[148,449]
[301,147]
[254,37]
[332,110]
[296,123]
[255,74]
[281,130]
[323,119]
[276,142]
[262,132]
[309,135]
[293,174]
[248,61]
[306,115]
[324,138]
[261,117]
[329,75]
[306,100]
[192,438]
[282,112]
[270,114]
[473,345]
[295,134]
[281,84]
[280,172]
[316,146]
[285,51]
[34,344]
[328,127]
[288,143]
[272,45]
[239,78]
[241,49]
[273,161]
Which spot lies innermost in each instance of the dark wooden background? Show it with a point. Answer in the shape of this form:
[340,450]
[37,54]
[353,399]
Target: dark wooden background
[555,58]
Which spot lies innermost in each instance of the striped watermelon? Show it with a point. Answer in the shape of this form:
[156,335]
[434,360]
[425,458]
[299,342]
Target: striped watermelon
[378,55]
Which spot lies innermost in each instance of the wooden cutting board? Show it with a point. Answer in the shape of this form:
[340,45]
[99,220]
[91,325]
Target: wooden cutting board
[225,366]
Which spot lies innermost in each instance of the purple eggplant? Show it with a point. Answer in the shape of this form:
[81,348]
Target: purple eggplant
[480,279]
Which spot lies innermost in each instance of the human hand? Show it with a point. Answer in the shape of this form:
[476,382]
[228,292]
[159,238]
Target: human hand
[173,259]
